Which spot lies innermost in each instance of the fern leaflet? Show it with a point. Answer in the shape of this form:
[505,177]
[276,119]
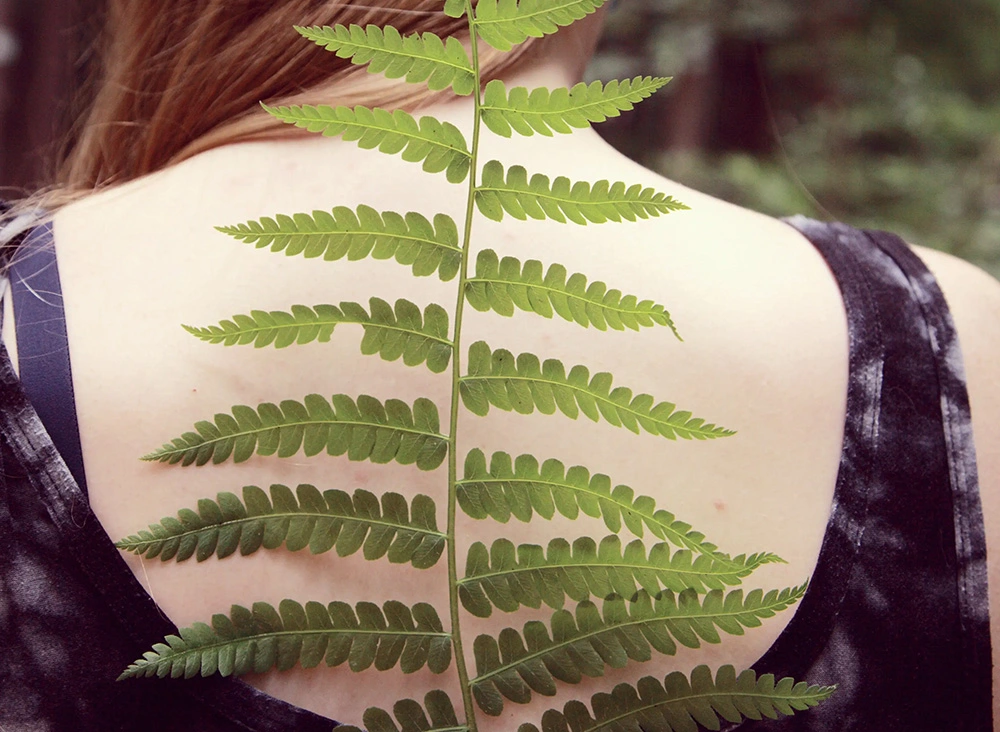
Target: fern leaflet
[529,575]
[437,715]
[517,664]
[417,57]
[524,384]
[561,110]
[403,332]
[440,146]
[563,200]
[363,430]
[263,638]
[524,488]
[505,23]
[501,285]
[411,239]
[318,521]
[677,705]
[454,8]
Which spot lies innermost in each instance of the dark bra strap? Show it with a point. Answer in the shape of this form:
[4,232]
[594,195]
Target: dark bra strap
[43,346]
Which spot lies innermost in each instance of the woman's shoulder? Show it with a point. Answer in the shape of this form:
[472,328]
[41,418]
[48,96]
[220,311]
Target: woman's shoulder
[973,295]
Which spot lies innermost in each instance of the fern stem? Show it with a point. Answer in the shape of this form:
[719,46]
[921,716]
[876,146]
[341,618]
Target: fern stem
[453,600]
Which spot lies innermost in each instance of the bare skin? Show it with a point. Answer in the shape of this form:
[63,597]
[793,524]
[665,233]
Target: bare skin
[765,353]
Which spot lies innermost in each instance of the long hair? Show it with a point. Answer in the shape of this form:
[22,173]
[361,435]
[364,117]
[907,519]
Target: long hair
[179,77]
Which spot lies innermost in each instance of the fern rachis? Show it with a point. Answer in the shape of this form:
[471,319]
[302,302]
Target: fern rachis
[653,584]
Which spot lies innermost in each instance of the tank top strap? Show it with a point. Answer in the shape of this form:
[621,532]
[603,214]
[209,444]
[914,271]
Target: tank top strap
[897,611]
[42,344]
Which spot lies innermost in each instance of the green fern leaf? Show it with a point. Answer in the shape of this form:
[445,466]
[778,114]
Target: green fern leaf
[403,332]
[363,430]
[563,200]
[517,664]
[440,146]
[261,639]
[411,239]
[677,705]
[505,23]
[561,110]
[529,575]
[320,521]
[521,488]
[437,715]
[454,8]
[418,57]
[501,285]
[524,384]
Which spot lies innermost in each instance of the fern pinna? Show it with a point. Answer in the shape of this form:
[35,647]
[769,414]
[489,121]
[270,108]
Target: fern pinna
[631,597]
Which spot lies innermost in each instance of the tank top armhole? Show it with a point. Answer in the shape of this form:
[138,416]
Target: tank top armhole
[803,639]
[896,613]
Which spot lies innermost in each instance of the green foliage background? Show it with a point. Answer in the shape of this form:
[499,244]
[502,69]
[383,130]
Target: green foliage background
[881,113]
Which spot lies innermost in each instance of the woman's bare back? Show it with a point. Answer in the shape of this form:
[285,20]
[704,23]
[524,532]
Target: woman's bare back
[764,353]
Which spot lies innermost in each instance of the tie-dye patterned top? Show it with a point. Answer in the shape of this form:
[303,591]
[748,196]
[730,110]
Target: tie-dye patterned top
[896,614]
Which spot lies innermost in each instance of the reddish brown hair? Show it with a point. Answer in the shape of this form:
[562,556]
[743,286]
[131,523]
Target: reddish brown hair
[178,77]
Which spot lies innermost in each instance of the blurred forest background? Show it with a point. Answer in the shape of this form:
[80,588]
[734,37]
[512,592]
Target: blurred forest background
[880,113]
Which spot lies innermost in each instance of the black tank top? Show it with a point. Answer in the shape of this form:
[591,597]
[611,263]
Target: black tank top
[896,614]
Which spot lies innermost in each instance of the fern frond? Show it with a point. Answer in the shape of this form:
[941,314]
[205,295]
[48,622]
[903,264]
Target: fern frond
[517,664]
[363,430]
[501,285]
[440,146]
[437,715]
[418,57]
[320,521]
[403,332]
[524,384]
[562,200]
[521,488]
[561,110]
[529,575]
[258,640]
[411,239]
[505,23]
[677,705]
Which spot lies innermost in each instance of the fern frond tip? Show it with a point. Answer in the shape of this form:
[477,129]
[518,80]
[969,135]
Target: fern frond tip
[524,487]
[587,641]
[561,110]
[507,577]
[265,638]
[678,704]
[401,531]
[411,239]
[418,57]
[504,25]
[501,285]
[511,192]
[391,431]
[439,146]
[524,384]
[392,332]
